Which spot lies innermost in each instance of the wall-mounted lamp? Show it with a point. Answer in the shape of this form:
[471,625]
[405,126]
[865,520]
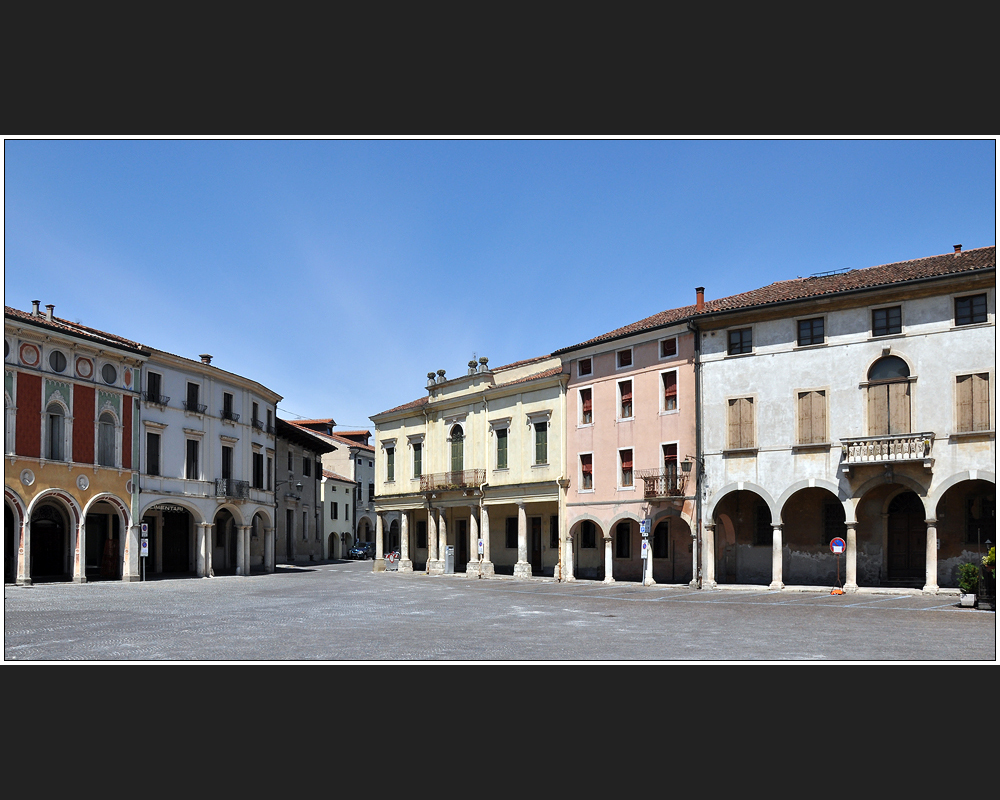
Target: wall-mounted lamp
[686,463]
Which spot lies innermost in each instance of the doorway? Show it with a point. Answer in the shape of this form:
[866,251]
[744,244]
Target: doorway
[535,544]
[907,538]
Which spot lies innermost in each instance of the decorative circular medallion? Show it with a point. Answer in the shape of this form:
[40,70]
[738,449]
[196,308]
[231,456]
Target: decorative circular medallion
[27,477]
[83,482]
[128,487]
[29,354]
[84,367]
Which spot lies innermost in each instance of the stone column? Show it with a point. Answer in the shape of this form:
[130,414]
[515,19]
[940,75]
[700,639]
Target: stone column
[522,569]
[431,540]
[708,556]
[647,568]
[268,549]
[24,554]
[131,558]
[931,585]
[243,550]
[568,559]
[79,548]
[851,580]
[486,567]
[203,550]
[472,568]
[405,564]
[442,539]
[378,563]
[776,581]
[608,561]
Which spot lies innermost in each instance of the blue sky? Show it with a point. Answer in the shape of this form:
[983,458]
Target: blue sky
[338,273]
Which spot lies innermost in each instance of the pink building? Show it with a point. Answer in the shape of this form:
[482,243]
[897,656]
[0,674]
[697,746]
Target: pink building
[631,426]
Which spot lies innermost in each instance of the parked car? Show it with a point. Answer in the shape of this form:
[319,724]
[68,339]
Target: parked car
[362,550]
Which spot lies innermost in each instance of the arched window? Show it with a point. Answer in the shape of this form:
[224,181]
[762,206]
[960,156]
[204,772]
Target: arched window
[106,440]
[55,442]
[888,397]
[457,449]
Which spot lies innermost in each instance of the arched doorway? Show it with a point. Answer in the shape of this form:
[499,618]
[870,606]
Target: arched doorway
[588,550]
[103,558]
[51,540]
[743,539]
[11,534]
[173,551]
[966,527]
[906,543]
[811,518]
[672,551]
[224,543]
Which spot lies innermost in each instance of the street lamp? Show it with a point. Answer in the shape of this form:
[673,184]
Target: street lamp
[686,464]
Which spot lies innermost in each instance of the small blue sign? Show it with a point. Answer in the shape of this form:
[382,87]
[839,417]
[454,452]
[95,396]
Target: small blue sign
[838,545]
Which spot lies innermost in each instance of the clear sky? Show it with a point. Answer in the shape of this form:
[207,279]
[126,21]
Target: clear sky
[339,273]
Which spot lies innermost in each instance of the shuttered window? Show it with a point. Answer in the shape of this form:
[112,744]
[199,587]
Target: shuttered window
[669,391]
[888,408]
[587,471]
[741,423]
[973,397]
[106,440]
[812,417]
[541,443]
[625,393]
[586,406]
[626,469]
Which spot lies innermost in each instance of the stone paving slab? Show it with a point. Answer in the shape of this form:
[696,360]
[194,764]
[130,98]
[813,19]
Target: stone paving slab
[343,612]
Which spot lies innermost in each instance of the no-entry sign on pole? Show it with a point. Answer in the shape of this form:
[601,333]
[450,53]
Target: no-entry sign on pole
[838,545]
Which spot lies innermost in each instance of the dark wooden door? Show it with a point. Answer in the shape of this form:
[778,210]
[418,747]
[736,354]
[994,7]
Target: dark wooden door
[907,538]
[535,543]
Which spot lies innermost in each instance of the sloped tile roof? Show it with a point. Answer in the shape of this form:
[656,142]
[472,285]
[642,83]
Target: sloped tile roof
[74,329]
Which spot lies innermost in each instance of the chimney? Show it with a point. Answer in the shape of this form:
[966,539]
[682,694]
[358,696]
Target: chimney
[34,308]
[205,358]
[48,311]
[440,374]
[958,249]
[483,364]
[430,378]
[700,304]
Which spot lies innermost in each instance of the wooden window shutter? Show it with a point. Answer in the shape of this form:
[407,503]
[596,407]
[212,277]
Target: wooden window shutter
[899,407]
[626,391]
[981,402]
[878,409]
[588,400]
[812,417]
[587,464]
[626,459]
[741,423]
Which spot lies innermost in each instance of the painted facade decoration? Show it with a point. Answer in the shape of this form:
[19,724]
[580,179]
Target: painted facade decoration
[70,438]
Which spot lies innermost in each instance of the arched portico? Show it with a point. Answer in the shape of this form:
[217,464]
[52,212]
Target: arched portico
[672,547]
[109,545]
[50,540]
[15,513]
[173,527]
[743,543]
[586,543]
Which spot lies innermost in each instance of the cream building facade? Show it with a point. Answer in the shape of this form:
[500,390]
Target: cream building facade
[479,459]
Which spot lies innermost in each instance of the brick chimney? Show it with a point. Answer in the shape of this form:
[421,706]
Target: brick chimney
[700,304]
[34,308]
[205,358]
[958,249]
[49,309]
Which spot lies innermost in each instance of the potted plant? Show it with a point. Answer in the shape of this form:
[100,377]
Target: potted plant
[968,582]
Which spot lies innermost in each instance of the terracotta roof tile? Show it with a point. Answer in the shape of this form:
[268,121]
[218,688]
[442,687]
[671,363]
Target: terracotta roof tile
[74,328]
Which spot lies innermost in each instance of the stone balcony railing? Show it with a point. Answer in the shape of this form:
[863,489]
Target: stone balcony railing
[890,449]
[662,483]
[463,479]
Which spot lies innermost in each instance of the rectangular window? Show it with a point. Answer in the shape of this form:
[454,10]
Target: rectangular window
[587,471]
[887,321]
[624,358]
[289,526]
[586,406]
[623,540]
[154,387]
[741,421]
[191,471]
[501,448]
[227,405]
[152,453]
[421,534]
[670,466]
[740,341]
[541,443]
[972,394]
[624,399]
[227,462]
[291,463]
[668,347]
[812,417]
[588,535]
[333,510]
[347,511]
[670,390]
[270,470]
[390,463]
[306,468]
[371,492]
[625,459]
[418,459]
[584,367]
[305,525]
[510,533]
[255,416]
[258,470]
[970,310]
[553,532]
[191,403]
[811,331]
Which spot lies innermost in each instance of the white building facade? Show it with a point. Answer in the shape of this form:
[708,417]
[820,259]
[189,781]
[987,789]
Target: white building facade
[859,405]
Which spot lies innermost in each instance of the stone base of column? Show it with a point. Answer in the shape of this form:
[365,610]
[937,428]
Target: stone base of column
[132,579]
[931,588]
[850,588]
[693,584]
[435,567]
[79,579]
[709,585]
[405,565]
[522,569]
[24,581]
[775,586]
[378,565]
[608,579]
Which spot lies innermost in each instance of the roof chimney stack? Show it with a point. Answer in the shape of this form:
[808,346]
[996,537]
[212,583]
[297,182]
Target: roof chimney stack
[48,311]
[34,308]
[206,358]
[958,249]
[700,304]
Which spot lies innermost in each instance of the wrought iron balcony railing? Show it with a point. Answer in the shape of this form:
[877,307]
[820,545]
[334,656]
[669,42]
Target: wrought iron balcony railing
[662,482]
[229,415]
[463,479]
[270,429]
[232,489]
[888,449]
[257,423]
[155,397]
[197,408]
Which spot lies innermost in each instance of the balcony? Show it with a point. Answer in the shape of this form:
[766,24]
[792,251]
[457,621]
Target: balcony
[197,408]
[257,423]
[232,489]
[156,398]
[228,414]
[894,448]
[443,481]
[662,483]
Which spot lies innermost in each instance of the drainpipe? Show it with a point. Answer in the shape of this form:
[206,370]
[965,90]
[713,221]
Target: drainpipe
[693,327]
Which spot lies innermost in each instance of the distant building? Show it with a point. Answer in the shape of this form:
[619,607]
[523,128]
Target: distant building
[337,499]
[298,494]
[71,460]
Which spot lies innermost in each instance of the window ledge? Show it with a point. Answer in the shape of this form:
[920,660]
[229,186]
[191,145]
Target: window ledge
[668,412]
[740,451]
[874,338]
[811,446]
[740,355]
[810,346]
[540,466]
[625,419]
[987,324]
[960,435]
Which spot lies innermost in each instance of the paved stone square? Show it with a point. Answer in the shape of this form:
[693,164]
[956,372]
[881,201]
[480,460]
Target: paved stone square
[343,612]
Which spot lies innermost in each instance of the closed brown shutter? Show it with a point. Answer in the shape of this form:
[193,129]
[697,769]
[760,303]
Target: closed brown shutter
[878,410]
[899,407]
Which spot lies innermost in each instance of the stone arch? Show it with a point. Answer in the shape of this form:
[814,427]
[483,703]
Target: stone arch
[969,475]
[188,506]
[41,556]
[904,480]
[817,483]
[588,562]
[14,516]
[743,486]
